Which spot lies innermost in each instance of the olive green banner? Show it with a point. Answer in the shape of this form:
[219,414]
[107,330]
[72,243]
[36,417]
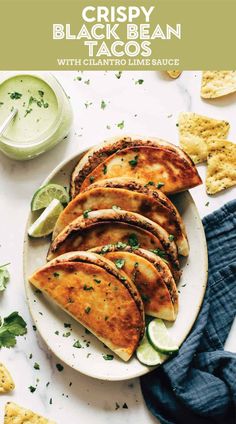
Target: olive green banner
[108,34]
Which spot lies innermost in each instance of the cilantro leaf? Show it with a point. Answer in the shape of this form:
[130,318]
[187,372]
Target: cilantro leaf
[121,125]
[11,326]
[4,277]
[133,162]
[103,105]
[133,241]
[119,263]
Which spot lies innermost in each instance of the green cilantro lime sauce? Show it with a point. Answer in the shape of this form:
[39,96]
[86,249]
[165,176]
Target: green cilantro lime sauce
[36,103]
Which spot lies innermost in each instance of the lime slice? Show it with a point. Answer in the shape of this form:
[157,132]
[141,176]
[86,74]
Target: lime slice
[147,355]
[44,225]
[44,195]
[159,338]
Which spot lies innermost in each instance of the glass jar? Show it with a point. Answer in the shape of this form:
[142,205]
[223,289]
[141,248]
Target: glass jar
[60,124]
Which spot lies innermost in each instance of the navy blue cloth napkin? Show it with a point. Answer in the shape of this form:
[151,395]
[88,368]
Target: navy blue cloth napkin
[198,386]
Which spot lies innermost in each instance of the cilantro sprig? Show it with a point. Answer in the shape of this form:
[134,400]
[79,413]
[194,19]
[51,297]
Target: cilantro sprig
[11,327]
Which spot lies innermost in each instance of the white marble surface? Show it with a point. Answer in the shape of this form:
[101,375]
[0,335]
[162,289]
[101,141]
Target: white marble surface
[148,109]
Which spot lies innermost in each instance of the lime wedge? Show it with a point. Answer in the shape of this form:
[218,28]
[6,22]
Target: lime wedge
[44,195]
[147,355]
[159,338]
[44,225]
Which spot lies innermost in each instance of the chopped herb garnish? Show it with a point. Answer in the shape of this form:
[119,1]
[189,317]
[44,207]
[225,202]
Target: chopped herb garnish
[50,401]
[47,384]
[171,237]
[67,325]
[91,179]
[121,245]
[118,74]
[119,263]
[145,297]
[139,81]
[150,183]
[87,81]
[41,93]
[87,310]
[106,248]
[77,344]
[133,162]
[11,327]
[160,253]
[57,333]
[4,277]
[79,78]
[121,125]
[177,125]
[66,334]
[133,241]
[97,281]
[106,318]
[36,366]
[108,357]
[87,104]
[159,185]
[32,389]
[104,169]
[103,105]
[27,112]
[88,288]
[60,367]
[30,356]
[1,103]
[34,327]
[207,204]
[15,95]
[56,274]
[86,213]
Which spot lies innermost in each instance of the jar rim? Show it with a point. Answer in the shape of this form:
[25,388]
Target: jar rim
[56,87]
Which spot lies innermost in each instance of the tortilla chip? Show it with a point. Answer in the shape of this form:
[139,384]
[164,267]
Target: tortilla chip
[174,74]
[15,414]
[221,170]
[6,382]
[218,83]
[195,131]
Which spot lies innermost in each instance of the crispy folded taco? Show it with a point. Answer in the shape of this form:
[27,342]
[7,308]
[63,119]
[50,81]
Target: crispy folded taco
[110,226]
[99,296]
[131,196]
[151,278]
[166,168]
[95,156]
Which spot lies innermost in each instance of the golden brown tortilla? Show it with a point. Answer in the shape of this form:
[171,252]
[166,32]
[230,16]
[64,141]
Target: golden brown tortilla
[170,172]
[96,155]
[110,226]
[97,299]
[129,196]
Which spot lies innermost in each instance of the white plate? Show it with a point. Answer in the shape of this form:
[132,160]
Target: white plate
[89,359]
